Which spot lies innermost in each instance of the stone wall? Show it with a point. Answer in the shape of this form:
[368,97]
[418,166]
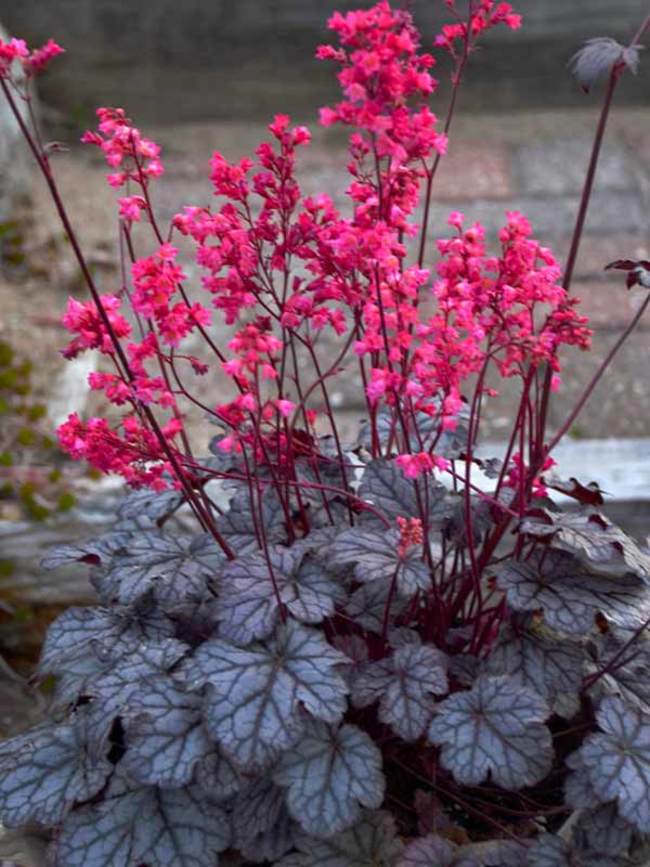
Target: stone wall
[219,58]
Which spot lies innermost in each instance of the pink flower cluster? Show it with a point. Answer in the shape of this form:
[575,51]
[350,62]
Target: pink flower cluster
[32,62]
[484,15]
[135,454]
[124,148]
[85,320]
[281,268]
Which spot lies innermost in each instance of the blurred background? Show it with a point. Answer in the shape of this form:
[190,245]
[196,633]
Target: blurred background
[201,75]
[202,59]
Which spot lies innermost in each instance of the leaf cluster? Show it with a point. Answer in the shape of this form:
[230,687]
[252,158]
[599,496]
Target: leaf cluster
[316,700]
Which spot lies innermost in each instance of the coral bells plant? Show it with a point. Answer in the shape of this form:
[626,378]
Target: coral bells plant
[308,651]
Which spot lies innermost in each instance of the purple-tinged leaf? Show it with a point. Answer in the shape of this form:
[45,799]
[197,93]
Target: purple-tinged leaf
[44,772]
[367,605]
[597,58]
[257,808]
[255,693]
[602,832]
[330,773]
[385,485]
[578,791]
[372,842]
[150,504]
[248,607]
[376,558]
[164,734]
[448,443]
[627,666]
[98,631]
[121,680]
[271,845]
[136,826]
[618,759]
[428,851]
[404,684]
[492,853]
[94,552]
[168,566]
[588,495]
[553,668]
[218,777]
[569,597]
[600,545]
[550,851]
[495,728]
[238,527]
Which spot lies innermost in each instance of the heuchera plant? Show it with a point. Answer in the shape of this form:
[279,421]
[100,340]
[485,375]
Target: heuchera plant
[358,657]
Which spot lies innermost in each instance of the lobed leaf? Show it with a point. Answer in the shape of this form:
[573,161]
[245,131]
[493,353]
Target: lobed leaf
[252,592]
[174,568]
[136,826]
[618,759]
[551,667]
[597,543]
[375,557]
[569,597]
[44,772]
[495,728]
[404,684]
[330,774]
[165,736]
[237,525]
[372,842]
[627,666]
[385,485]
[255,693]
[367,605]
[150,504]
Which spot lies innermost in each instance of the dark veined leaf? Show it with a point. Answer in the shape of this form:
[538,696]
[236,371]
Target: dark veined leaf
[385,485]
[174,568]
[602,832]
[135,826]
[372,842]
[238,527]
[427,851]
[493,853]
[598,56]
[44,772]
[121,680]
[600,545]
[164,734]
[255,693]
[404,684]
[217,776]
[552,667]
[151,504]
[618,759]
[256,809]
[94,552]
[251,593]
[550,851]
[376,558]
[272,844]
[495,728]
[367,605]
[330,773]
[578,791]
[627,665]
[263,829]
[569,597]
[588,495]
[103,631]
